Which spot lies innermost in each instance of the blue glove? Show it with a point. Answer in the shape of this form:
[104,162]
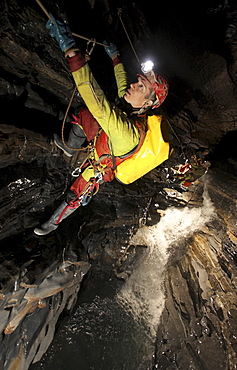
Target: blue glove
[111,50]
[61,32]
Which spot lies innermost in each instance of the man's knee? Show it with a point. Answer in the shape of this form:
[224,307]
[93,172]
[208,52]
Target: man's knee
[69,196]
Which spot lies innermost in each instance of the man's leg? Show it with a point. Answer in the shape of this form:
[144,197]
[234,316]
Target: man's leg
[66,208]
[84,127]
[75,140]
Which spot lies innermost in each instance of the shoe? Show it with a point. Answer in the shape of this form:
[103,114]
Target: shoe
[60,145]
[75,140]
[51,225]
[45,229]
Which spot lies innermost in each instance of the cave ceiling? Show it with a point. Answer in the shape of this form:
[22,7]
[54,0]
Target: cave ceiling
[193,45]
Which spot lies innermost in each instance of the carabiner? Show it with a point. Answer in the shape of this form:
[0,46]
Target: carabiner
[76,172]
[93,41]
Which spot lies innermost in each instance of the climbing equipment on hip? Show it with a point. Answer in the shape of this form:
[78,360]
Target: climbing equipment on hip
[91,188]
[77,171]
[193,169]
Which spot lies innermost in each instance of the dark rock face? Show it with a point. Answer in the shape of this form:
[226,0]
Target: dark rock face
[200,306]
[40,277]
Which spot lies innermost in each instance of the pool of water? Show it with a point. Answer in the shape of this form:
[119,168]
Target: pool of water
[101,334]
[114,324]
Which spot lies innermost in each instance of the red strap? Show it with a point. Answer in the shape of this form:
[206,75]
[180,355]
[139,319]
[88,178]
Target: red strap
[76,202]
[60,217]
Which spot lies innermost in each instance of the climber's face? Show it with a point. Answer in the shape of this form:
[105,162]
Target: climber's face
[138,93]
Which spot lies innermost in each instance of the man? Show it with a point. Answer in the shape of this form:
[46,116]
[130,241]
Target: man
[116,134]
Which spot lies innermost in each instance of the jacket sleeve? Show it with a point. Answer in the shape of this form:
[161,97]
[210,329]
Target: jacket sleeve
[122,132]
[120,76]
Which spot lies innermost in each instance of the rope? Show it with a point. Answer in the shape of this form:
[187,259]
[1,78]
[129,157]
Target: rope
[63,124]
[120,17]
[173,130]
[65,116]
[74,34]
[93,41]
[180,142]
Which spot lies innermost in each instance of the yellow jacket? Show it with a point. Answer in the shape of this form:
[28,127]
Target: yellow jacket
[122,132]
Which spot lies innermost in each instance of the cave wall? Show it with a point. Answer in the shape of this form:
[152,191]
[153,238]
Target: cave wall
[195,47]
[198,325]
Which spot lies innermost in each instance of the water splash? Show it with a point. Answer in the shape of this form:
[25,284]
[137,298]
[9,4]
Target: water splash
[143,294]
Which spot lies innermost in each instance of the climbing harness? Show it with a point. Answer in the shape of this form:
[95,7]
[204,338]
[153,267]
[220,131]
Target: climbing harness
[190,171]
[91,188]
[90,148]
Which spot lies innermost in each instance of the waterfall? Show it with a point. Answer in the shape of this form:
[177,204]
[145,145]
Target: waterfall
[112,330]
[143,294]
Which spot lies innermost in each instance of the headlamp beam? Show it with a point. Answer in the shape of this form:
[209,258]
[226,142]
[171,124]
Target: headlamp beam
[147,66]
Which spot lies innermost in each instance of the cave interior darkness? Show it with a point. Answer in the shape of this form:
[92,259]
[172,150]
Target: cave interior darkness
[194,45]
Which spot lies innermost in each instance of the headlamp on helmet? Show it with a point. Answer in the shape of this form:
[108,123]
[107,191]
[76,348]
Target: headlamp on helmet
[158,83]
[147,66]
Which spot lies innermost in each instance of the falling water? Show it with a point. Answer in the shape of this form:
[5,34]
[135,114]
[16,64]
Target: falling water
[116,331]
[143,293]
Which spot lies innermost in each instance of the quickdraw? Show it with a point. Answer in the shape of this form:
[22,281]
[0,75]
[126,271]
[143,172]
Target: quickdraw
[76,202]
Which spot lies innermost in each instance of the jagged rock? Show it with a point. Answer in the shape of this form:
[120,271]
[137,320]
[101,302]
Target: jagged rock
[196,319]
[40,277]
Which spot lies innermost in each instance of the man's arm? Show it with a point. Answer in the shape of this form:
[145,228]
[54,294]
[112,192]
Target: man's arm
[122,132]
[121,77]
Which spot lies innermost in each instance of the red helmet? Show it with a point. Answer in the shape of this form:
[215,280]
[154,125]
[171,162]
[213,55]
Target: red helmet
[159,85]
[161,88]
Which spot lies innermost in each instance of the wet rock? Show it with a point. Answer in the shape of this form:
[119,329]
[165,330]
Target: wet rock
[200,290]
[40,278]
[29,312]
